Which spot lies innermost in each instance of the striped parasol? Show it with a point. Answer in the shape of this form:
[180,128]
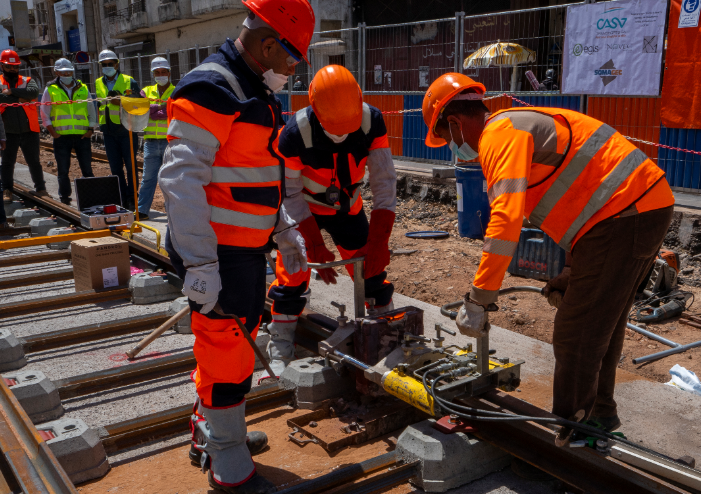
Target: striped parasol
[499,55]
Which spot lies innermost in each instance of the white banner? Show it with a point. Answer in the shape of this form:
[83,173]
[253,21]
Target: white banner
[614,48]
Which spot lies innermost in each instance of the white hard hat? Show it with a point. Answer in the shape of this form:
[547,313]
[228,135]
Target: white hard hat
[107,55]
[63,64]
[159,63]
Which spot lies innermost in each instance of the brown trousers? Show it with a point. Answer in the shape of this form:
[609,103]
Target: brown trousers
[608,264]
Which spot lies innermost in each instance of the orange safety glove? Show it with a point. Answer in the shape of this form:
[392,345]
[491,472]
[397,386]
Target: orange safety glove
[377,258]
[316,249]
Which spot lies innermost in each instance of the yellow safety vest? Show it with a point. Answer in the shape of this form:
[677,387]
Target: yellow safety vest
[122,86]
[69,118]
[157,129]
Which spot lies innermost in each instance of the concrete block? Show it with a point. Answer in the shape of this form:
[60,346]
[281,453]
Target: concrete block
[183,325]
[41,226]
[11,351]
[448,460]
[77,447]
[148,289]
[313,382]
[36,393]
[443,172]
[62,230]
[24,216]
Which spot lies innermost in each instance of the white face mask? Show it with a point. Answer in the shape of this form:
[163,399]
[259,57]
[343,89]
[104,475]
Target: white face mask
[335,138]
[66,80]
[109,71]
[464,152]
[162,80]
[274,80]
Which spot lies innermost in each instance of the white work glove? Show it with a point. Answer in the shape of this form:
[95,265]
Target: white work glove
[290,243]
[472,320]
[202,285]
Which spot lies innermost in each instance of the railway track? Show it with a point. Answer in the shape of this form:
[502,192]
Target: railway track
[97,156]
[78,340]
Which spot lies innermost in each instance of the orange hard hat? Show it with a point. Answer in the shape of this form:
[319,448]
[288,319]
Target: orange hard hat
[294,20]
[439,94]
[9,57]
[337,100]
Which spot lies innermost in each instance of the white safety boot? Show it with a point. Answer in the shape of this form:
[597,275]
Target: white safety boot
[225,455]
[281,347]
[385,308]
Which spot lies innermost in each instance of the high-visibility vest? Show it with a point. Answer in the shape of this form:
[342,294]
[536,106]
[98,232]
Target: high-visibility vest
[122,86]
[246,189]
[30,110]
[322,162]
[69,118]
[157,129]
[564,171]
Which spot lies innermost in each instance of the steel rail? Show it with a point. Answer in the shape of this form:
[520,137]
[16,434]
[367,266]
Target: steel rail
[25,259]
[125,375]
[36,279]
[94,332]
[383,481]
[34,468]
[343,475]
[584,468]
[62,301]
[15,230]
[129,433]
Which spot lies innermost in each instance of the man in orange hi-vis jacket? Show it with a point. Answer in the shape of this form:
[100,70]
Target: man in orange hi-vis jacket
[596,194]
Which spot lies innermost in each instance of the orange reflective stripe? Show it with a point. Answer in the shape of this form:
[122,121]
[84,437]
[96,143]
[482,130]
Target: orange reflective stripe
[214,123]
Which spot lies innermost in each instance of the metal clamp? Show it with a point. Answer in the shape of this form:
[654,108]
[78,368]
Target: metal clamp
[130,235]
[358,280]
[301,440]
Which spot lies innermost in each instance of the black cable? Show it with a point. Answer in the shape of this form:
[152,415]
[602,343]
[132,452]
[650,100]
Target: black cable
[489,416]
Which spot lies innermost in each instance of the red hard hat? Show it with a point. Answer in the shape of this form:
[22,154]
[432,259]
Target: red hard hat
[293,19]
[337,100]
[9,57]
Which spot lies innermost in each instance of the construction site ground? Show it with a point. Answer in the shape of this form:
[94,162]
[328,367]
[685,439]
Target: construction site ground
[426,274]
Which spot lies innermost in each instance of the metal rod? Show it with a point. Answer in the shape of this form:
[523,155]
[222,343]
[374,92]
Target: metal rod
[482,350]
[49,239]
[343,475]
[347,358]
[447,311]
[653,336]
[381,482]
[359,289]
[133,175]
[157,332]
[62,302]
[666,353]
[333,264]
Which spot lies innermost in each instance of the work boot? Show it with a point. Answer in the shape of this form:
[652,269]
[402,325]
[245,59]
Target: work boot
[608,424]
[225,454]
[7,196]
[256,441]
[66,200]
[42,193]
[281,348]
[256,485]
[385,308]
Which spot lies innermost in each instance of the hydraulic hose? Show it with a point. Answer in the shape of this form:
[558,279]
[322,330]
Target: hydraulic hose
[447,311]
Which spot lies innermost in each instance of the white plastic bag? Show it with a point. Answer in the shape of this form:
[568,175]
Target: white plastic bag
[685,379]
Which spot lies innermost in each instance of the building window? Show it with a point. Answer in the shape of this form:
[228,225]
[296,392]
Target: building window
[337,60]
[333,26]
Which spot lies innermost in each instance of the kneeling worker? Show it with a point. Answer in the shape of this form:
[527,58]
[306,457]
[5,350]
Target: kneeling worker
[595,193]
[327,147]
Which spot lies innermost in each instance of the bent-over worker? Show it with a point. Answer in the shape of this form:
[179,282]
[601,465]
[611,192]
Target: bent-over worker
[223,182]
[327,147]
[586,186]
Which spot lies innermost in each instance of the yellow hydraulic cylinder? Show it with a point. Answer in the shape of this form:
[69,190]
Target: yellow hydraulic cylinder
[409,390]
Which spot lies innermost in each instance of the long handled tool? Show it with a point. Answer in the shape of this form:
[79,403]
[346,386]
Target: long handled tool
[157,332]
[263,359]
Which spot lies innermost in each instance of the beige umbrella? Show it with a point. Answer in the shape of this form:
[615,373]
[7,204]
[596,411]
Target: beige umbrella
[500,55]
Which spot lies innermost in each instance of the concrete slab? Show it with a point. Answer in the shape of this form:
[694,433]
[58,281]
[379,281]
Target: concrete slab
[655,415]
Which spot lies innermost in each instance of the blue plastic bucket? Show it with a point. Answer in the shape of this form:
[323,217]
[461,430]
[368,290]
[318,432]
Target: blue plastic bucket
[473,204]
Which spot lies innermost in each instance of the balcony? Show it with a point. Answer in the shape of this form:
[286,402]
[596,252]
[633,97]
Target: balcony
[168,11]
[217,7]
[124,23]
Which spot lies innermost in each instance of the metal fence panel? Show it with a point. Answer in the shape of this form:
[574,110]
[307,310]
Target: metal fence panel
[683,169]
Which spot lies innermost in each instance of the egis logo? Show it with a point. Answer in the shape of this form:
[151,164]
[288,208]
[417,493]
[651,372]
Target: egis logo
[613,23]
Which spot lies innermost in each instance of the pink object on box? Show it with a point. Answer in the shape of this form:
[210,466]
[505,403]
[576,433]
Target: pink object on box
[136,270]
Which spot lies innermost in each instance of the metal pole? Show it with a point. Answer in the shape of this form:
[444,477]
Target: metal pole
[461,51]
[168,55]
[482,349]
[456,48]
[290,81]
[197,54]
[359,289]
[653,336]
[361,55]
[666,353]
[141,81]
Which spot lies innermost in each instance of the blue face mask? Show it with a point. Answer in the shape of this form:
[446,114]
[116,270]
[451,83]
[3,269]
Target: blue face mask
[109,71]
[464,152]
